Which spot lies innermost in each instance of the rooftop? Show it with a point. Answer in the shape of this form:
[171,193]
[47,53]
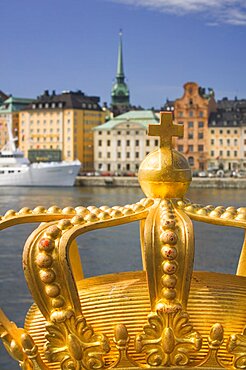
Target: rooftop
[143,117]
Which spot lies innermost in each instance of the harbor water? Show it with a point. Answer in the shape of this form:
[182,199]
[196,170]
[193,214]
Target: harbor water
[105,251]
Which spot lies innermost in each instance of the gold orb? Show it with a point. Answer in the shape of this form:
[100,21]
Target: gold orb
[162,176]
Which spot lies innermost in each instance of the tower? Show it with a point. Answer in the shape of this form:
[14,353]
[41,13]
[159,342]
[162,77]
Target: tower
[120,97]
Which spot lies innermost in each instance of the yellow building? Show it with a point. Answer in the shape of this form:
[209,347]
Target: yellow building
[59,127]
[226,136]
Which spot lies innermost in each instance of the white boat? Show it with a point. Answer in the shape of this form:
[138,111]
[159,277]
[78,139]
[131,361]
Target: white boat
[15,170]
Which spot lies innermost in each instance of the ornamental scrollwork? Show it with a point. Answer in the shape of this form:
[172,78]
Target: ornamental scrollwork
[168,339]
[237,346]
[74,344]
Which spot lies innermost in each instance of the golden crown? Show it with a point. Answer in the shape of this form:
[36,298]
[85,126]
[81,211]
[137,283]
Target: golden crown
[164,316]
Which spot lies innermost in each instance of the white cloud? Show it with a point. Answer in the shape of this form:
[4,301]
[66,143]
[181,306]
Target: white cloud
[217,11]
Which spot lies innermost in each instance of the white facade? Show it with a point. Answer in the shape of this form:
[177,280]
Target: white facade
[122,148]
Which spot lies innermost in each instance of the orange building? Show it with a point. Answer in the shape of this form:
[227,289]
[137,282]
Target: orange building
[192,111]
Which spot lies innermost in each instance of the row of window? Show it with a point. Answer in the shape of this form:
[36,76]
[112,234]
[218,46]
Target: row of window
[221,153]
[190,148]
[121,132]
[191,124]
[120,167]
[227,131]
[191,113]
[128,142]
[128,155]
[61,105]
[228,141]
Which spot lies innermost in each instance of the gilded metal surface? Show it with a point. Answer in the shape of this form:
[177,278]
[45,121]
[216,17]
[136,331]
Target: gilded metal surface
[164,316]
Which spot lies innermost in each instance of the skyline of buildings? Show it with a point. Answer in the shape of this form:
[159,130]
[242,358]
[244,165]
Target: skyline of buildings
[71,125]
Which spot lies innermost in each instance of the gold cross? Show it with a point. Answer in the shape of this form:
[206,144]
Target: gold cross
[166,130]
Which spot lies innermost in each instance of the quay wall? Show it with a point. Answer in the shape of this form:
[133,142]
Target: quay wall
[217,183]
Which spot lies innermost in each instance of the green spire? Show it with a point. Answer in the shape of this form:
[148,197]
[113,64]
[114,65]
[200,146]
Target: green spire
[120,70]
[120,93]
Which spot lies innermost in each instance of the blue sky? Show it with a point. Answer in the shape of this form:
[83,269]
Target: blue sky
[72,44]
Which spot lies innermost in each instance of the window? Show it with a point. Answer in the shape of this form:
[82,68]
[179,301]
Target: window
[191,113]
[136,132]
[108,154]
[235,141]
[191,161]
[228,131]
[228,153]
[228,141]
[99,132]
[221,141]
[128,167]
[128,132]
[136,167]
[180,122]
[200,148]
[190,124]
[156,142]
[118,132]
[235,131]
[119,142]
[137,142]
[118,166]
[180,114]
[190,135]
[127,154]
[212,153]
[221,131]
[147,142]
[99,154]
[119,155]
[108,167]
[200,114]
[137,154]
[212,141]
[190,148]
[99,142]
[200,124]
[108,142]
[180,148]
[235,153]
[127,142]
[212,131]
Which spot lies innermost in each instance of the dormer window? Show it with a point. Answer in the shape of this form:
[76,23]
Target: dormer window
[34,106]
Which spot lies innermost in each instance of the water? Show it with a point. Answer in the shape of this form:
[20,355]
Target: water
[104,251]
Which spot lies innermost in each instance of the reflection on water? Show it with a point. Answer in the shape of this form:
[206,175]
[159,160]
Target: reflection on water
[104,251]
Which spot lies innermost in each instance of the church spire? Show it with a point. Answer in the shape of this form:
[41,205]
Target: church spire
[120,97]
[120,70]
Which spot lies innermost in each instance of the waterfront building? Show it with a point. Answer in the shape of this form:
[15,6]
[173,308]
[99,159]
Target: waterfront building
[59,127]
[9,115]
[227,135]
[122,143]
[193,110]
[120,96]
